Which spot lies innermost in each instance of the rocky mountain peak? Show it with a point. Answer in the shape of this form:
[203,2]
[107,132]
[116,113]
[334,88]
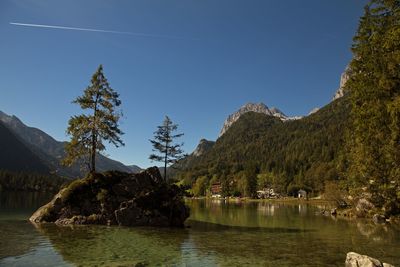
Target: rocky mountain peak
[33,136]
[254,107]
[314,110]
[249,107]
[2,114]
[7,119]
[277,113]
[203,147]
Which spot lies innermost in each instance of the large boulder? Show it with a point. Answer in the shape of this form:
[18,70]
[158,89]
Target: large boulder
[357,260]
[364,207]
[378,219]
[116,198]
[48,212]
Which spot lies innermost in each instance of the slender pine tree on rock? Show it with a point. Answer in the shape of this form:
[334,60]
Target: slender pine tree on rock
[166,150]
[99,124]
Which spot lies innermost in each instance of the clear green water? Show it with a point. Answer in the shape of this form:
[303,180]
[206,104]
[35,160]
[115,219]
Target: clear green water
[218,234]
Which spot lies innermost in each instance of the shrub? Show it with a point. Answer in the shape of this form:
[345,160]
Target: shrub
[333,193]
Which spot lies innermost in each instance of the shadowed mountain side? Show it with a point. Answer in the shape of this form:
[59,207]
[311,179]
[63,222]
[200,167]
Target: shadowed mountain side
[52,151]
[134,168]
[16,156]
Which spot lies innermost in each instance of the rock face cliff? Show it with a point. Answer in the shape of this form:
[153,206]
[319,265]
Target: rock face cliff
[254,107]
[314,110]
[203,147]
[343,80]
[116,198]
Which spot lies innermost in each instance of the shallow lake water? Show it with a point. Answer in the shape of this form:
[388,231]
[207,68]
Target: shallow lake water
[217,234]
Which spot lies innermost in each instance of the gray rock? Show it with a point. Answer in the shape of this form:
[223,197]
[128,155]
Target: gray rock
[378,219]
[325,213]
[314,110]
[249,107]
[343,80]
[129,214]
[48,212]
[258,108]
[203,147]
[333,212]
[363,206]
[357,260]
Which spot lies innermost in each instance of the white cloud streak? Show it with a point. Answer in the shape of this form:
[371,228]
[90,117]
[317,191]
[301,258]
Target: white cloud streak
[137,34]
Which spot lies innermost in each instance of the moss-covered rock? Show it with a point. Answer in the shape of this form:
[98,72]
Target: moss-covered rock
[117,198]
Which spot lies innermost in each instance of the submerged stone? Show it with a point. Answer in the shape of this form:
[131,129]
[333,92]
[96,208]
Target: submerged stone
[357,260]
[116,198]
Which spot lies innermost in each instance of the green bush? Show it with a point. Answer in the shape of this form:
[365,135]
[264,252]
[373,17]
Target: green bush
[200,186]
[102,195]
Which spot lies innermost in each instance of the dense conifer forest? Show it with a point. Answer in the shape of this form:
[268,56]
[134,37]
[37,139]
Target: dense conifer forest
[295,154]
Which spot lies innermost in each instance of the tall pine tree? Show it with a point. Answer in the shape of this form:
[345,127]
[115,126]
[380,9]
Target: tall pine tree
[89,131]
[168,152]
[374,89]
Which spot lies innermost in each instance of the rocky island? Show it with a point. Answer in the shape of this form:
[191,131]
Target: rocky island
[117,198]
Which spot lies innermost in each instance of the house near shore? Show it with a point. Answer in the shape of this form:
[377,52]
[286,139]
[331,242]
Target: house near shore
[267,193]
[302,194]
[216,190]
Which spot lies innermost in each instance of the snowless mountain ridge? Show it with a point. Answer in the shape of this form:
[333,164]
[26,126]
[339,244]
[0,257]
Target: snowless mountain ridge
[255,107]
[262,108]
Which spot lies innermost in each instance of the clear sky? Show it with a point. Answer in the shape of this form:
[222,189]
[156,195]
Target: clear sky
[194,60]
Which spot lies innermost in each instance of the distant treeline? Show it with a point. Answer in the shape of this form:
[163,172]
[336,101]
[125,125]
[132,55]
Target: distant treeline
[22,181]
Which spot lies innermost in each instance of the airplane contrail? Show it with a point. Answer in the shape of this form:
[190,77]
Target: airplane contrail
[99,30]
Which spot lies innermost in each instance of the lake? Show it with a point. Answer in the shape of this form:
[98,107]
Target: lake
[217,234]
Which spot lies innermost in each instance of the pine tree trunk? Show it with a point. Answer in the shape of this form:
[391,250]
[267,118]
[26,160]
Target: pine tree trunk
[93,154]
[165,161]
[94,136]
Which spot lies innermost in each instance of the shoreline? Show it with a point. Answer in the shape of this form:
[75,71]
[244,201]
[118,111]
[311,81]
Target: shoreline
[271,200]
[348,214]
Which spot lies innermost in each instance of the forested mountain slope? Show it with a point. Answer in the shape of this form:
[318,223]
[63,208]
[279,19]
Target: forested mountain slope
[301,152]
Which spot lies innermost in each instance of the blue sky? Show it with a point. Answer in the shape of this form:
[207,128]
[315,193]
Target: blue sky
[203,60]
